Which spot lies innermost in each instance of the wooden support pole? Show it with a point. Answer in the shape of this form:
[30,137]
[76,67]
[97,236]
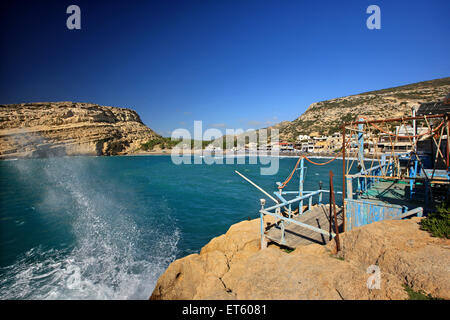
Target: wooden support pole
[343,177]
[333,205]
[448,142]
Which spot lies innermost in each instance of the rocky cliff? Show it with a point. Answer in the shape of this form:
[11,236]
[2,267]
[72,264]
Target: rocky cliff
[69,128]
[326,117]
[232,266]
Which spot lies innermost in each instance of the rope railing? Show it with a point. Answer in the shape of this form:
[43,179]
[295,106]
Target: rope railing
[281,186]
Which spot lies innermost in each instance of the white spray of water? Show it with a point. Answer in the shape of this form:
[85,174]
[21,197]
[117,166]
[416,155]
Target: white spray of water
[106,262]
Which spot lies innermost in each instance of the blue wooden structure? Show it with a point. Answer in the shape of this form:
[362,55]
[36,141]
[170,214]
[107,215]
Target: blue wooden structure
[359,212]
[377,192]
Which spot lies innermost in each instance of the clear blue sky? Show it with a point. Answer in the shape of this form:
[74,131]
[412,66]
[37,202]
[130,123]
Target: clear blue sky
[239,64]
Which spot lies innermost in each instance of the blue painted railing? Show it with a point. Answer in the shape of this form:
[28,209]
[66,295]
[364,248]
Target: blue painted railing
[361,212]
[275,211]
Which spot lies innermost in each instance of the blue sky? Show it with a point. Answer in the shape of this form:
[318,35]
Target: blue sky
[235,64]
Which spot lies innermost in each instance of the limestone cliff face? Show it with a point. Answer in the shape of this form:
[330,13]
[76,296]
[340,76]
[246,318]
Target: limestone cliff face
[69,128]
[326,117]
[232,266]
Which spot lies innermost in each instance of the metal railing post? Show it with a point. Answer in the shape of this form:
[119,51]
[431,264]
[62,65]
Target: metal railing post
[349,188]
[320,194]
[300,184]
[361,145]
[290,210]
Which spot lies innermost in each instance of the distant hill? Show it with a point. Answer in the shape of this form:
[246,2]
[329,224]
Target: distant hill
[326,117]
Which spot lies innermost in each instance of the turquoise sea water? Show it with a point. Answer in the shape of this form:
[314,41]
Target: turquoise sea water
[107,227]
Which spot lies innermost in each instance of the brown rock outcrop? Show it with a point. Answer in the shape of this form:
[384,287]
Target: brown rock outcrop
[400,248]
[231,266]
[68,128]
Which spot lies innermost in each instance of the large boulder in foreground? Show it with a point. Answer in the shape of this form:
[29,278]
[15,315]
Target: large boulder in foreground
[232,266]
[400,248]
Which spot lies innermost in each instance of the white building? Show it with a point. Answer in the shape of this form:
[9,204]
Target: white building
[252,146]
[303,137]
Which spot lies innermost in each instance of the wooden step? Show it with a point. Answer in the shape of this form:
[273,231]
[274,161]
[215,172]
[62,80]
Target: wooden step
[295,235]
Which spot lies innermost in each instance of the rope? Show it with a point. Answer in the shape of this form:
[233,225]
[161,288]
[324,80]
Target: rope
[322,163]
[291,175]
[309,160]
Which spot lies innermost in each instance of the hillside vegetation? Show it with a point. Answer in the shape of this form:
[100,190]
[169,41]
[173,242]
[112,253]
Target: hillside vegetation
[326,117]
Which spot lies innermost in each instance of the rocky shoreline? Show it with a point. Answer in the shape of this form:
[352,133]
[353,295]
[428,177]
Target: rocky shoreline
[232,266]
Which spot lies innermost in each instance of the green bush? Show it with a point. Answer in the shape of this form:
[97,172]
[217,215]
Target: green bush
[438,222]
[418,295]
[168,143]
[161,141]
